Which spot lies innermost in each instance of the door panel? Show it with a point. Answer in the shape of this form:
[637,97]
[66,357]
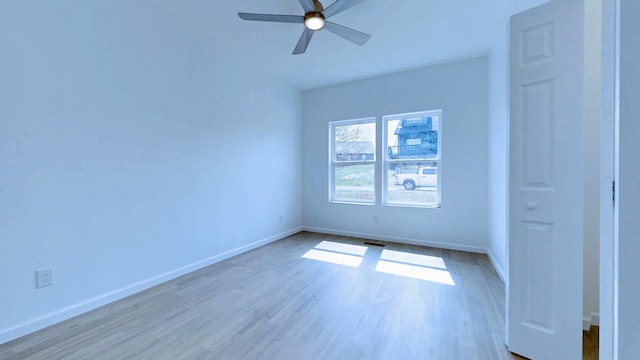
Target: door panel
[537,312]
[546,181]
[536,135]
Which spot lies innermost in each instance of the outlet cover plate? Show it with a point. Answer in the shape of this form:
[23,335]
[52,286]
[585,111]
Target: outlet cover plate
[44,277]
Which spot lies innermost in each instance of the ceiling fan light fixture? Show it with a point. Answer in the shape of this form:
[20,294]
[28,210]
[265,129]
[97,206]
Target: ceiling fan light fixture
[314,20]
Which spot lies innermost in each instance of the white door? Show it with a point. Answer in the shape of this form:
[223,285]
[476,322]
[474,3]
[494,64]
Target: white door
[544,295]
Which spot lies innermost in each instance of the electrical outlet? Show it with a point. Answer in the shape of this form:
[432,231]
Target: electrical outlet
[44,277]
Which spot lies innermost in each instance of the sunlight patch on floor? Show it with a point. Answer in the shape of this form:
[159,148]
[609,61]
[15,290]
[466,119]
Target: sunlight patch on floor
[415,259]
[358,250]
[415,266]
[337,253]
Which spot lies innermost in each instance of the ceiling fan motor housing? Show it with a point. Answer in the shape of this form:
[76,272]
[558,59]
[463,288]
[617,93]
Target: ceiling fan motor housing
[314,20]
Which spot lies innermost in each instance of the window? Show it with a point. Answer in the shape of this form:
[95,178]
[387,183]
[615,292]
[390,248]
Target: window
[409,165]
[352,161]
[412,159]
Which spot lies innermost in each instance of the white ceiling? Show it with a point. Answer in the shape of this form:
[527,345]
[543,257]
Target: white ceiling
[406,34]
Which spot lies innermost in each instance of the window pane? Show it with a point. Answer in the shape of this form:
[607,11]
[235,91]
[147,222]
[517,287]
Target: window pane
[353,146]
[354,183]
[412,184]
[355,142]
[412,157]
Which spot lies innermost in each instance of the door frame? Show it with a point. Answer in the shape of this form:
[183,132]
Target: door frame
[608,173]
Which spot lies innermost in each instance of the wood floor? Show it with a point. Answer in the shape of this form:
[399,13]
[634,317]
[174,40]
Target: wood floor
[591,344]
[273,303]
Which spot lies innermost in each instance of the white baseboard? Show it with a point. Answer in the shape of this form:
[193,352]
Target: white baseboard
[497,267]
[435,244]
[591,319]
[41,322]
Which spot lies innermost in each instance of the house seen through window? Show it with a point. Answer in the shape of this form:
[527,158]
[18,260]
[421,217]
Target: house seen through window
[412,159]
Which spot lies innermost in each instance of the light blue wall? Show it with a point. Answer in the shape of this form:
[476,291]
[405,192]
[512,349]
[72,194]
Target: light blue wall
[460,89]
[592,183]
[498,153]
[131,150]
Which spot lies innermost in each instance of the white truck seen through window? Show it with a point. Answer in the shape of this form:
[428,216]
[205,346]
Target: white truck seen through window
[426,177]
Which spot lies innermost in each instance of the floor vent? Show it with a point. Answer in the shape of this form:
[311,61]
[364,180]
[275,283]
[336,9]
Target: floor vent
[373,243]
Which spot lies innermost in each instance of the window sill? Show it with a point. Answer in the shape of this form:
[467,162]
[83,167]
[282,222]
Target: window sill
[434,206]
[345,202]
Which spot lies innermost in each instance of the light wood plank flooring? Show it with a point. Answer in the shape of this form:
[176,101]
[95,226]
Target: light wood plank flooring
[272,303]
[591,344]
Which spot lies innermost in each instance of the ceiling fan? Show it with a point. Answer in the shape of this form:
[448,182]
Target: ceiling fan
[315,19]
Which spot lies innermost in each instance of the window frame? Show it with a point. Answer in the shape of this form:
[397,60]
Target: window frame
[386,161]
[333,163]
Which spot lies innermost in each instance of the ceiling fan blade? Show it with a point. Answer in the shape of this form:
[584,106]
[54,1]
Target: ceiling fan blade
[304,41]
[339,6]
[354,36]
[307,5]
[272,18]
